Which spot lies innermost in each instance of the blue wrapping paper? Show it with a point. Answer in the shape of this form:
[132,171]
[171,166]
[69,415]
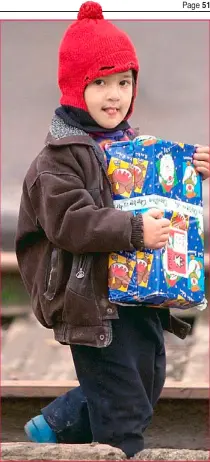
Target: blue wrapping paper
[153,173]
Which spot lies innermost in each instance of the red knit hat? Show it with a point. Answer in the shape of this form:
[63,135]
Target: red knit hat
[92,47]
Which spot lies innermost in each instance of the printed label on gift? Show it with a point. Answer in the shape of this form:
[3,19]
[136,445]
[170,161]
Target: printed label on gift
[120,272]
[143,268]
[176,252]
[191,185]
[121,176]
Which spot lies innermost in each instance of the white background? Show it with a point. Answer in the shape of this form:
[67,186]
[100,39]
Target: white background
[148,9]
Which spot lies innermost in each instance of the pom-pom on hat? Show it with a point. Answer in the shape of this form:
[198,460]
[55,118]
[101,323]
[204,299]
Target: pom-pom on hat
[92,47]
[90,10]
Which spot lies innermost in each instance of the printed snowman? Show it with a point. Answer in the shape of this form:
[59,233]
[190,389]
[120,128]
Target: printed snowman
[190,180]
[167,172]
[194,273]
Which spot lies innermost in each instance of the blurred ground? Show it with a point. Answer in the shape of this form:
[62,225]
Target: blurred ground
[187,360]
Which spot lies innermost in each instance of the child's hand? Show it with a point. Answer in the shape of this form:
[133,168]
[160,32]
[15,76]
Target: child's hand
[156,229]
[201,160]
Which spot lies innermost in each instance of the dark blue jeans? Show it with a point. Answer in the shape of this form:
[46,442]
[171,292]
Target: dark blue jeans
[119,385]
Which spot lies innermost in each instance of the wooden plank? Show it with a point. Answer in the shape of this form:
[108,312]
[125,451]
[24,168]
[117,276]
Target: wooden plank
[35,388]
[51,389]
[185,390]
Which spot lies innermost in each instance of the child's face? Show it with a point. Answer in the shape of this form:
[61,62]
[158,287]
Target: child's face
[108,99]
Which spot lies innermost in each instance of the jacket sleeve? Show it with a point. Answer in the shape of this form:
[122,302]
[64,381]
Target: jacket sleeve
[70,219]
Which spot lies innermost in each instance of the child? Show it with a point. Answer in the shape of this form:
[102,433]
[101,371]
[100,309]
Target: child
[67,228]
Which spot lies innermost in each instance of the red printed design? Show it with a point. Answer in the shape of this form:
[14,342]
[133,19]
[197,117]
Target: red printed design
[122,181]
[176,252]
[120,272]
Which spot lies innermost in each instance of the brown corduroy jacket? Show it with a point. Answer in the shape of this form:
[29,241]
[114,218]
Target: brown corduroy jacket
[66,229]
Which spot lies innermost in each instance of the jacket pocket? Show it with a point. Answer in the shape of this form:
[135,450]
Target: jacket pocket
[80,305]
[52,275]
[80,280]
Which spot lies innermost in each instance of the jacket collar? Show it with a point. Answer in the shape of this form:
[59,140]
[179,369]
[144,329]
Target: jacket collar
[61,134]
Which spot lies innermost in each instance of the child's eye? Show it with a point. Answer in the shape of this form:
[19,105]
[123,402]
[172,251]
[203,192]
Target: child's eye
[124,83]
[99,82]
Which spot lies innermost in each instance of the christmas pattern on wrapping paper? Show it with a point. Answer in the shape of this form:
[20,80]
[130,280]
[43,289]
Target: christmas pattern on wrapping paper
[145,173]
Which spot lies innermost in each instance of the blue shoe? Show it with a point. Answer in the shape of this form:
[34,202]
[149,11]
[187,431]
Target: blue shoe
[38,430]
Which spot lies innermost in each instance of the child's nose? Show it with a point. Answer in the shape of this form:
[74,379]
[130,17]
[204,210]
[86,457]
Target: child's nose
[113,94]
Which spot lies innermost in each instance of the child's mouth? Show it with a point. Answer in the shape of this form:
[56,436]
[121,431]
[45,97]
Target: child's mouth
[111,111]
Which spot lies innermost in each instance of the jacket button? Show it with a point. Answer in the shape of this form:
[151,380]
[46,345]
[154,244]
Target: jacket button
[109,310]
[102,337]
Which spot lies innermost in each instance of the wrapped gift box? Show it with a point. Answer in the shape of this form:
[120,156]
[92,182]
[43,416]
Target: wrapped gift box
[153,173]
